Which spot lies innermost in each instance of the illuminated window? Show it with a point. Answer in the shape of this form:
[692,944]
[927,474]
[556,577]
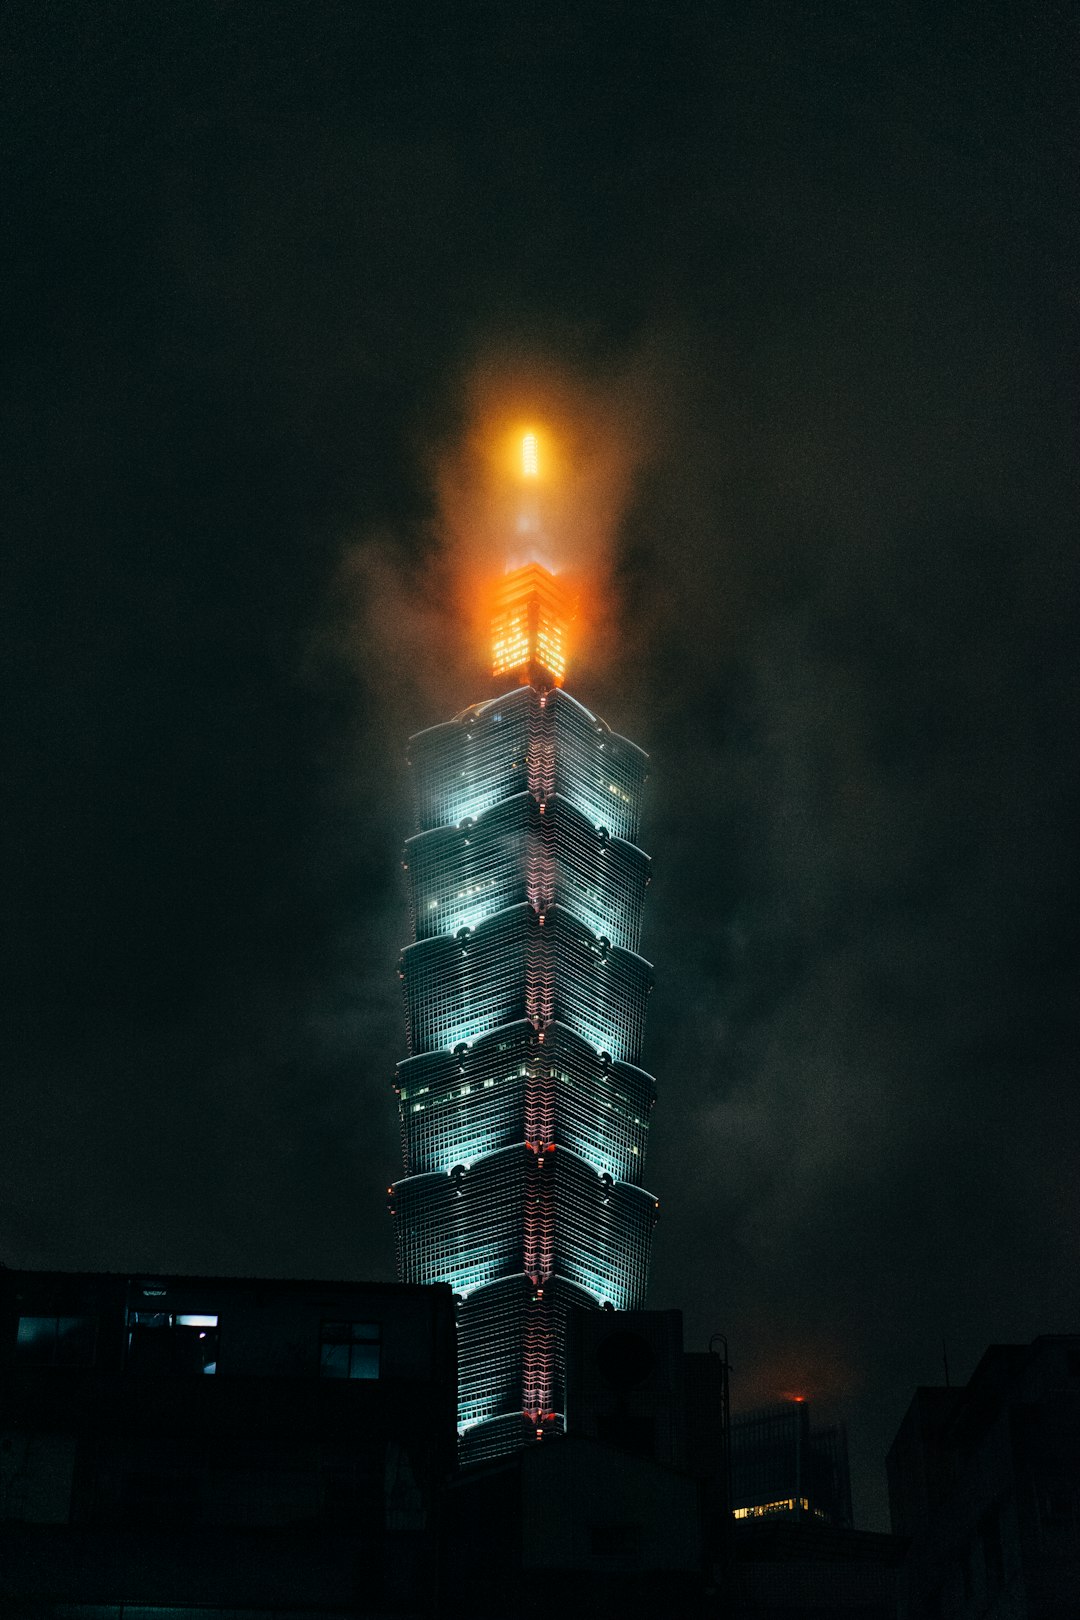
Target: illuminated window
[167,1342]
[56,1341]
[764,1509]
[529,626]
[349,1350]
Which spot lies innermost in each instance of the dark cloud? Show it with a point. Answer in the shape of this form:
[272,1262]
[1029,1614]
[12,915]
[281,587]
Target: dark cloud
[816,267]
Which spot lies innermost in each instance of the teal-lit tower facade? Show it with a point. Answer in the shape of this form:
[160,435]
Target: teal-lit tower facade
[524,1113]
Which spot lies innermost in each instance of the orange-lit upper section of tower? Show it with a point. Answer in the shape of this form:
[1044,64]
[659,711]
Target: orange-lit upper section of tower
[530,626]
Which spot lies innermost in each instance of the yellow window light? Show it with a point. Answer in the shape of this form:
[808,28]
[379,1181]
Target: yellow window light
[530,625]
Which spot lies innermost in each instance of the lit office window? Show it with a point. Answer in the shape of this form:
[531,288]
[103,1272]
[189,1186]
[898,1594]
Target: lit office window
[349,1350]
[164,1342]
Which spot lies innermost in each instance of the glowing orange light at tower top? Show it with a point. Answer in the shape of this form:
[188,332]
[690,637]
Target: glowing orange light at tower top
[530,626]
[530,460]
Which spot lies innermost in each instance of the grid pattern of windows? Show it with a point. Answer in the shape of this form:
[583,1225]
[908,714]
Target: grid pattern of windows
[550,855]
[547,742]
[598,991]
[528,629]
[520,964]
[601,1109]
[768,1451]
[458,876]
[459,988]
[456,1106]
[491,1326]
[545,1342]
[603,1231]
[517,1322]
[510,1087]
[462,768]
[495,1439]
[599,772]
[522,1211]
[780,1465]
[524,1118]
[465,1228]
[599,879]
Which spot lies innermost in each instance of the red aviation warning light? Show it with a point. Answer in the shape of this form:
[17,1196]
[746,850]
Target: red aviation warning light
[530,626]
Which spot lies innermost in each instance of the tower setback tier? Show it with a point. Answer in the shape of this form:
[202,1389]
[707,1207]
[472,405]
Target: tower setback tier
[524,1114]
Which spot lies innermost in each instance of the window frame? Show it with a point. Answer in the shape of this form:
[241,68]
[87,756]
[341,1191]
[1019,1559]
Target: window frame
[362,1343]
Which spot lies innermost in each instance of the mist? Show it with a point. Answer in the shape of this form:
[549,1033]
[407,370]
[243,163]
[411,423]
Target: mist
[792,299]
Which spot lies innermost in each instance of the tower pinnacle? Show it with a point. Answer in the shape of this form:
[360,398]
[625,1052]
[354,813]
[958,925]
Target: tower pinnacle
[530,626]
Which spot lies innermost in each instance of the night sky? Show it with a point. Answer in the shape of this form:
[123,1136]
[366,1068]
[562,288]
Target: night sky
[814,267]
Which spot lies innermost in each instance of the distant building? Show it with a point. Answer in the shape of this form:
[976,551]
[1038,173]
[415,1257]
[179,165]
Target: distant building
[631,1388]
[985,1481]
[222,1443]
[795,1551]
[782,1467]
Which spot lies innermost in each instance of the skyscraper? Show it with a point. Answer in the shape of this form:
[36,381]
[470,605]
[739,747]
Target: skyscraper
[524,1115]
[783,1468]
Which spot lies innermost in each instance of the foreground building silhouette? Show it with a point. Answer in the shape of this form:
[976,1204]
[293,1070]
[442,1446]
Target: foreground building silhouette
[524,1114]
[223,1444]
[281,1450]
[984,1482]
[629,1514]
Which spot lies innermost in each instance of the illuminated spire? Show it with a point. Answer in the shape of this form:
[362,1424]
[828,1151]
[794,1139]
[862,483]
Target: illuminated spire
[530,465]
[530,626]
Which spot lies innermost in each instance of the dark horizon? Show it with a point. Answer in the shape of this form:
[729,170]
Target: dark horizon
[824,257]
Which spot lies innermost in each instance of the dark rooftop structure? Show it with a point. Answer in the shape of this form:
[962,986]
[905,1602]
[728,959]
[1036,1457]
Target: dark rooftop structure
[785,1568]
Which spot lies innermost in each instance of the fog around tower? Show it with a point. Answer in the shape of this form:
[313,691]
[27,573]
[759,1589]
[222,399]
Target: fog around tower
[599,430]
[839,666]
[799,283]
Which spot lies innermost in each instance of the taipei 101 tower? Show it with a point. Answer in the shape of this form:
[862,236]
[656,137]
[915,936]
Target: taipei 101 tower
[524,1115]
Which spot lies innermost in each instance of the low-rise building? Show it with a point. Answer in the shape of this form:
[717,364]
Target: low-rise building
[229,1443]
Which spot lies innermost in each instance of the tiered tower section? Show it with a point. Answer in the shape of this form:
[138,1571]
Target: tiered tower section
[524,1115]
